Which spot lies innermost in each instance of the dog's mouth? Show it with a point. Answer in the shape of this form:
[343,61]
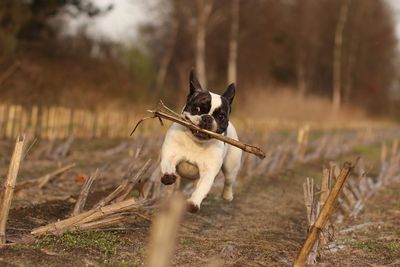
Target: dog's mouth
[200,135]
[196,133]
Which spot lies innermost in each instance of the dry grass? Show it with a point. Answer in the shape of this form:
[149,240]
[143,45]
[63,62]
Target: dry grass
[282,103]
[265,240]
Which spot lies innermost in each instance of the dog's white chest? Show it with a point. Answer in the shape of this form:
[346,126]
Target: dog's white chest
[180,142]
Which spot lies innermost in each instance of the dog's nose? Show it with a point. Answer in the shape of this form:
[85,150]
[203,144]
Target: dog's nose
[206,122]
[207,118]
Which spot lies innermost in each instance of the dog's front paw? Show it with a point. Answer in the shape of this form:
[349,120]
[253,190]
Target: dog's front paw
[227,194]
[168,179]
[192,207]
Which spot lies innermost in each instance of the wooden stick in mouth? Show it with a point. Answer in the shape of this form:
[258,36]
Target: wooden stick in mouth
[163,112]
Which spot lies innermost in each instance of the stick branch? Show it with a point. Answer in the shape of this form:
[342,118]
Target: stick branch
[163,112]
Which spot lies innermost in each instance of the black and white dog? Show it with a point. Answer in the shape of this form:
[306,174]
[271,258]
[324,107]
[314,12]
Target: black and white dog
[194,155]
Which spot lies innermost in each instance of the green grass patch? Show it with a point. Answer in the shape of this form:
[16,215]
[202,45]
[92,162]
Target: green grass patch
[367,151]
[391,248]
[185,242]
[103,242]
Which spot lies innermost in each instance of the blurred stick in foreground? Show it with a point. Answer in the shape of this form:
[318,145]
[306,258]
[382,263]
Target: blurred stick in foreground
[9,186]
[164,231]
[163,112]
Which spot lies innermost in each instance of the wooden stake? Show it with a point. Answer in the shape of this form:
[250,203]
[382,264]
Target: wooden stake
[323,216]
[3,120]
[308,189]
[395,147]
[10,121]
[325,184]
[383,152]
[9,187]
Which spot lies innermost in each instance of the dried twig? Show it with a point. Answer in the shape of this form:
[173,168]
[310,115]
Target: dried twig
[308,189]
[43,180]
[359,226]
[122,189]
[80,203]
[109,220]
[9,187]
[63,150]
[134,180]
[85,217]
[163,112]
[103,214]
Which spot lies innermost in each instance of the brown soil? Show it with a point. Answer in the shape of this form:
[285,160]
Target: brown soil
[265,225]
[377,241]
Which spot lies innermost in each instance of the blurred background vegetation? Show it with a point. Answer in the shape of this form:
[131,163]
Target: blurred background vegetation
[286,56]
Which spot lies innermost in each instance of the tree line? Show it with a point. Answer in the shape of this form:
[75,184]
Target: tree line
[341,49]
[345,50]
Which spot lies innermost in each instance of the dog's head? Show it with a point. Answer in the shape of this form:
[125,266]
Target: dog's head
[208,110]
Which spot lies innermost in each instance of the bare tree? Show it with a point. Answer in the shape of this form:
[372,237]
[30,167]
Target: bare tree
[307,36]
[348,75]
[169,47]
[204,8]
[337,55]
[301,47]
[233,43]
[351,53]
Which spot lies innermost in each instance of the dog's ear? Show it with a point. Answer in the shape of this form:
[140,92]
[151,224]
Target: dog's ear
[194,84]
[229,93]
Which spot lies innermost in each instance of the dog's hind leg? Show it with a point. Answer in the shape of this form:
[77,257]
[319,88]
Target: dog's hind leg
[230,168]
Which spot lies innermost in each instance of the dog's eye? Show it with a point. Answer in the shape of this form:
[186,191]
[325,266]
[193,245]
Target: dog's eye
[196,110]
[221,116]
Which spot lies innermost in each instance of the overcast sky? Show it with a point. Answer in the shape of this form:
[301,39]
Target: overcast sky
[120,24]
[396,8]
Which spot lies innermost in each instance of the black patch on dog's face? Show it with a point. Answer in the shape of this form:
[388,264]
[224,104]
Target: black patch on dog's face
[221,115]
[198,103]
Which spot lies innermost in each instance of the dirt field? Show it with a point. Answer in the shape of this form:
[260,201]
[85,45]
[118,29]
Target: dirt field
[265,225]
